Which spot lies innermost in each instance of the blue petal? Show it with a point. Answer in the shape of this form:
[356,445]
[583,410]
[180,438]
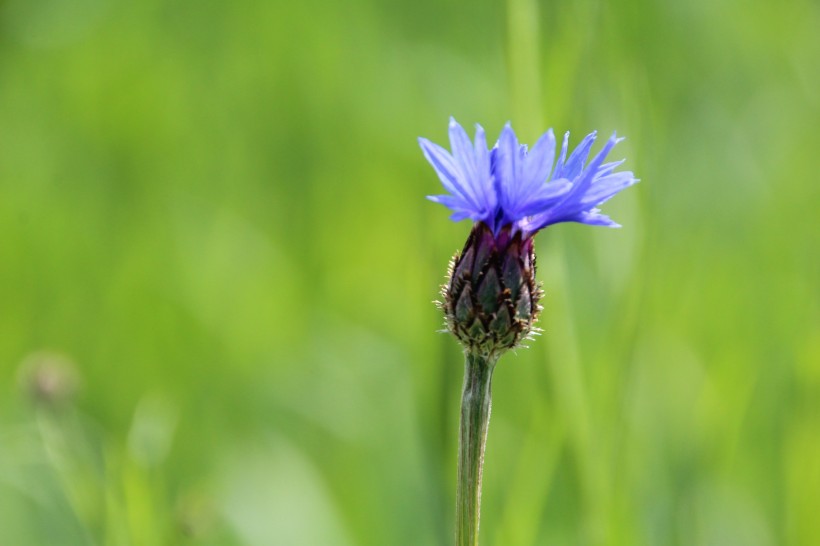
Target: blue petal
[584,181]
[482,161]
[575,207]
[507,171]
[546,196]
[449,201]
[462,151]
[576,160]
[460,215]
[605,188]
[457,206]
[538,163]
[594,218]
[607,168]
[562,158]
[447,170]
[465,173]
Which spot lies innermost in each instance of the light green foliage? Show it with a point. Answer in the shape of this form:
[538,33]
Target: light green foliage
[215,211]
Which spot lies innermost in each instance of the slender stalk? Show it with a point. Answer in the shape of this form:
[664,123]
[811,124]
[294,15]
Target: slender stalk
[475,418]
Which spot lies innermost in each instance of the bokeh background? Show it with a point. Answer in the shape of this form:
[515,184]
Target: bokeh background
[217,269]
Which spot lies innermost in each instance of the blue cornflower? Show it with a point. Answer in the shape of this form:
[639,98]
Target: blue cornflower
[526,190]
[511,192]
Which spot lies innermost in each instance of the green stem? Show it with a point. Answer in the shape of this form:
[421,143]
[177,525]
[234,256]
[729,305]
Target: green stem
[475,418]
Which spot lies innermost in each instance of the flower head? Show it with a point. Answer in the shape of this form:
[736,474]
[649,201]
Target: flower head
[525,189]
[511,192]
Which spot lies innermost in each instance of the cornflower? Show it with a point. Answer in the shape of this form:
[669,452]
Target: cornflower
[490,300]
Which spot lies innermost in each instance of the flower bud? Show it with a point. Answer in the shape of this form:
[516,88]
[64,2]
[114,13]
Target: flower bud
[491,298]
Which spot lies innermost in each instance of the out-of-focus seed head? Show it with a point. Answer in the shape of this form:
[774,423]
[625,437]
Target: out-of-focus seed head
[49,379]
[491,296]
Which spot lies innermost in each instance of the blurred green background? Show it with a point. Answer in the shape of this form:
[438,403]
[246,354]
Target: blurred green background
[217,267]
